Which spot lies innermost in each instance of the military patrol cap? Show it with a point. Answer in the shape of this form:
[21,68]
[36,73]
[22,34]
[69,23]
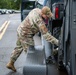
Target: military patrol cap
[46,10]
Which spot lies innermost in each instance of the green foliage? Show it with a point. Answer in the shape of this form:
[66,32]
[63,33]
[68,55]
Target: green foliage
[10,4]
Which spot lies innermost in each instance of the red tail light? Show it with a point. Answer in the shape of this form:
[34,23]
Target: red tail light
[56,12]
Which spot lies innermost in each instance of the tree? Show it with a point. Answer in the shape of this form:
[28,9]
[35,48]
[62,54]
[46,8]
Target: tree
[10,4]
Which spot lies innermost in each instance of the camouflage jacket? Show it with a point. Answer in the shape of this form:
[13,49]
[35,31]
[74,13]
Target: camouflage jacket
[34,23]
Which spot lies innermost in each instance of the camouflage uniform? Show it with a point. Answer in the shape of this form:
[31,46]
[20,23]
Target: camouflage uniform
[32,24]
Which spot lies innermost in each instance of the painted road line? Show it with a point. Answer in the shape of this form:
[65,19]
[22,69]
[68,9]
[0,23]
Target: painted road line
[3,26]
[3,29]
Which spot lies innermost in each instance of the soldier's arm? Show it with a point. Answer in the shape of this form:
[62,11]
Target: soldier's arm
[47,35]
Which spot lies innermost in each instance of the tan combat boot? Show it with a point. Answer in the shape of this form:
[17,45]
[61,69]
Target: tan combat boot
[10,65]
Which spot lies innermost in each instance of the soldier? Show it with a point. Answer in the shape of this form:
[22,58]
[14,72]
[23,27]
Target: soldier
[33,23]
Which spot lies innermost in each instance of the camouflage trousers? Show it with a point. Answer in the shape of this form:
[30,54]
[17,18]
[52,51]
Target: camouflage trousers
[21,44]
